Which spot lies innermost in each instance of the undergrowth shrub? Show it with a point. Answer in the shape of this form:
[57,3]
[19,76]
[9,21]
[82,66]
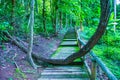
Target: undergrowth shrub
[5,26]
[112,52]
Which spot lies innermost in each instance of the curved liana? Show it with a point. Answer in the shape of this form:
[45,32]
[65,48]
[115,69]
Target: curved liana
[105,13]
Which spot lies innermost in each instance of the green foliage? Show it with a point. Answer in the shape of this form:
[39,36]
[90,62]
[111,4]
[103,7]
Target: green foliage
[19,74]
[108,50]
[5,26]
[112,65]
[10,78]
[111,39]
[112,53]
[108,46]
[88,32]
[76,10]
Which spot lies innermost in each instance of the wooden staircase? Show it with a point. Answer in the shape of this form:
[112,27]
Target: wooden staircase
[66,72]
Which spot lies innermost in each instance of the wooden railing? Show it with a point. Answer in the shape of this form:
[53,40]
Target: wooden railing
[96,63]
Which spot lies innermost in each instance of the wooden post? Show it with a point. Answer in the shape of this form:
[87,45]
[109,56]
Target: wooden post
[93,70]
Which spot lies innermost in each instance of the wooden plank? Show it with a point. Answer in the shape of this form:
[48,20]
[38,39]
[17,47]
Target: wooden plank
[69,39]
[63,79]
[64,76]
[69,43]
[63,70]
[67,70]
[63,73]
[68,67]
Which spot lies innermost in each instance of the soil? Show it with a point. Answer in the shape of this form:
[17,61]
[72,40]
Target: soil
[11,57]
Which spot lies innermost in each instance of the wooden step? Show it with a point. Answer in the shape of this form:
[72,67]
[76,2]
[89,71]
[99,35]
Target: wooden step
[70,35]
[69,43]
[63,79]
[68,67]
[62,70]
[64,75]
[69,39]
[65,69]
[63,52]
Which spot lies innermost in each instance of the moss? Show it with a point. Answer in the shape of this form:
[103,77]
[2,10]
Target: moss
[65,51]
[77,60]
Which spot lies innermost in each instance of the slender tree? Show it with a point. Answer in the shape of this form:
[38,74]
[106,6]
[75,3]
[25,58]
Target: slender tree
[44,17]
[81,21]
[36,5]
[60,20]
[115,2]
[13,13]
[60,16]
[66,20]
[54,9]
[31,24]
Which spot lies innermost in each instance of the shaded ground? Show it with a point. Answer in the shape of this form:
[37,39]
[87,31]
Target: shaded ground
[9,70]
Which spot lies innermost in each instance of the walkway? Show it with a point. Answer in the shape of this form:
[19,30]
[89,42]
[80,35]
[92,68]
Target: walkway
[66,72]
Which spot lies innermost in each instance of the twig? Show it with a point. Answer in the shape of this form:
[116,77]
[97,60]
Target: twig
[15,61]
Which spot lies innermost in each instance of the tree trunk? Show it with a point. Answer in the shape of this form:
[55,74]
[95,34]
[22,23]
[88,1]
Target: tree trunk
[31,34]
[70,21]
[81,26]
[22,2]
[105,13]
[115,15]
[57,21]
[66,20]
[44,18]
[36,5]
[53,15]
[60,20]
[12,13]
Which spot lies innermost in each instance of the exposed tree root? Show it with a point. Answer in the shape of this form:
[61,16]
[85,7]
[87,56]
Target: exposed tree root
[48,60]
[15,61]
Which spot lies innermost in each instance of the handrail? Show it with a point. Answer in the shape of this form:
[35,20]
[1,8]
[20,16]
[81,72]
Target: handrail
[108,73]
[103,67]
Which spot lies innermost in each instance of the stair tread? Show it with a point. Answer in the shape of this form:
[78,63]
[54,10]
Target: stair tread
[69,39]
[69,43]
[63,52]
[63,79]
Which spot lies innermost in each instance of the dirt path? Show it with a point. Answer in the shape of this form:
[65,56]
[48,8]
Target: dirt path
[8,70]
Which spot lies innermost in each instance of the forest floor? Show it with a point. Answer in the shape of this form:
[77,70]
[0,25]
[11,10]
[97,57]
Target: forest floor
[10,55]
